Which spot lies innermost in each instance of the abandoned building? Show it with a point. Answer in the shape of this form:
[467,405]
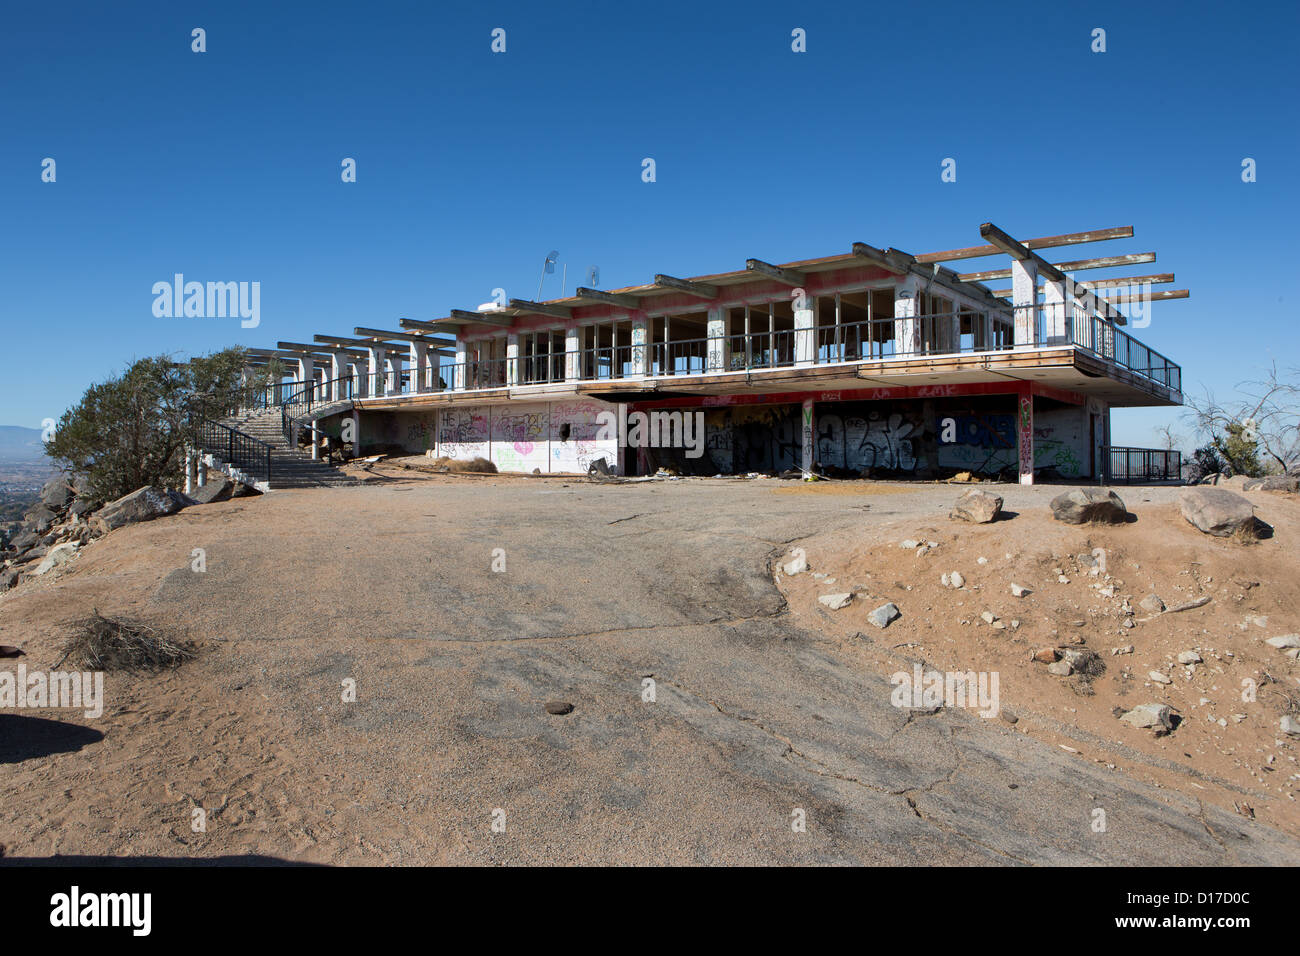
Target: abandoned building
[871,362]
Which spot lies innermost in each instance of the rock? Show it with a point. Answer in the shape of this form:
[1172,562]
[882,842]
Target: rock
[885,615]
[242,490]
[1018,591]
[988,617]
[1217,511]
[1289,725]
[1060,669]
[1152,604]
[836,601]
[1078,658]
[1126,649]
[909,544]
[81,506]
[1282,642]
[977,507]
[1156,716]
[24,540]
[39,519]
[1159,678]
[559,707]
[56,493]
[217,488]
[1046,655]
[143,504]
[957,580]
[1283,483]
[59,555]
[1084,505]
[8,578]
[1189,657]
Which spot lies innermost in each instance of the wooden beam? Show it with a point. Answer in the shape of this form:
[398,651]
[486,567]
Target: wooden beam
[788,277]
[1045,242]
[541,308]
[402,336]
[317,348]
[1078,265]
[880,258]
[1115,282]
[437,325]
[702,290]
[609,298]
[483,318]
[1153,297]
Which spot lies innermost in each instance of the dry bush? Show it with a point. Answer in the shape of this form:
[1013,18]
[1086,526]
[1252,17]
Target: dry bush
[117,644]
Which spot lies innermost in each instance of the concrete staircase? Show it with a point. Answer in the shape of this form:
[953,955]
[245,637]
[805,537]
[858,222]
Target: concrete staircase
[290,468]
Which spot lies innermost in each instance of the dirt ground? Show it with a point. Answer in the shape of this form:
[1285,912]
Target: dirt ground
[768,705]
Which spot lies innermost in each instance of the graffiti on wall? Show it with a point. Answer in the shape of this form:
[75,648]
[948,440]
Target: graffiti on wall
[876,439]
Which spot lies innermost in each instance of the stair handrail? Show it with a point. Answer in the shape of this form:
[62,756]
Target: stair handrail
[237,449]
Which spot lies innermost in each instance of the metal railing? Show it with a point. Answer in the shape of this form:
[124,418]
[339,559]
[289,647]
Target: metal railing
[947,333]
[236,449]
[1131,465]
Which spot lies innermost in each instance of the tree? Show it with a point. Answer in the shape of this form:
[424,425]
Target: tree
[1264,419]
[1205,461]
[131,430]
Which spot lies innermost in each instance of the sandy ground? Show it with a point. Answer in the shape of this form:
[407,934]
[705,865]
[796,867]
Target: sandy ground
[767,708]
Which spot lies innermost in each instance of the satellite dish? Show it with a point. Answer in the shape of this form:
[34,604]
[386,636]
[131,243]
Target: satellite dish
[593,277]
[552,258]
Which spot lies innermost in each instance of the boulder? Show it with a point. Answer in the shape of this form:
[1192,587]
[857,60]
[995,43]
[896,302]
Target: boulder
[1152,604]
[81,506]
[1084,505]
[56,493]
[1217,511]
[39,519]
[217,488]
[1233,482]
[1158,717]
[8,578]
[23,540]
[241,490]
[836,601]
[143,504]
[1283,483]
[977,507]
[59,555]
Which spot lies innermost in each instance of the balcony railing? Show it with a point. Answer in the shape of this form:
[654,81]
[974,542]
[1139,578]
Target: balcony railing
[1134,465]
[949,333]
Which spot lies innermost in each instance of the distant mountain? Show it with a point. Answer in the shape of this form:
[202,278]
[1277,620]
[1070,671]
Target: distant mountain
[18,444]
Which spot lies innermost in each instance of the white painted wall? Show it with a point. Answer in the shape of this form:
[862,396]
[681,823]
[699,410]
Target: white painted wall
[522,437]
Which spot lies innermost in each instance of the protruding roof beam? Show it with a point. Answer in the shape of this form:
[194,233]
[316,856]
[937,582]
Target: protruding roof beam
[402,336]
[785,276]
[1045,242]
[541,308]
[1152,297]
[360,343]
[300,346]
[1116,282]
[484,318]
[438,325]
[701,290]
[1078,265]
[890,261]
[1017,251]
[619,299]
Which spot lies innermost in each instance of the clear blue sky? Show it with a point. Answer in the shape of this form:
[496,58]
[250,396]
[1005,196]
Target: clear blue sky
[472,165]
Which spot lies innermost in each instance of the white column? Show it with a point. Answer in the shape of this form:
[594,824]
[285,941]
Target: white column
[573,352]
[419,364]
[512,358]
[459,380]
[1024,298]
[306,370]
[807,435]
[315,441]
[805,330]
[338,372]
[907,331]
[1054,312]
[375,370]
[719,335]
[640,345]
[190,473]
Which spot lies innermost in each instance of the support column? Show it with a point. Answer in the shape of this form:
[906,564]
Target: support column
[315,441]
[805,329]
[191,476]
[1025,433]
[907,306]
[512,358]
[338,372]
[459,378]
[1055,313]
[809,444]
[1024,299]
[640,347]
[307,375]
[719,336]
[573,352]
[375,368]
[420,380]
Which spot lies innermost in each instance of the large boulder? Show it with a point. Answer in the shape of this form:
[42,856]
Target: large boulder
[1217,511]
[1284,483]
[59,555]
[1084,505]
[23,540]
[1233,482]
[39,519]
[217,488]
[977,507]
[56,493]
[143,504]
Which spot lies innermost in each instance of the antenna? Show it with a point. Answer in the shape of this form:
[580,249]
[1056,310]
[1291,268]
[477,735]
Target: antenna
[593,277]
[547,267]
